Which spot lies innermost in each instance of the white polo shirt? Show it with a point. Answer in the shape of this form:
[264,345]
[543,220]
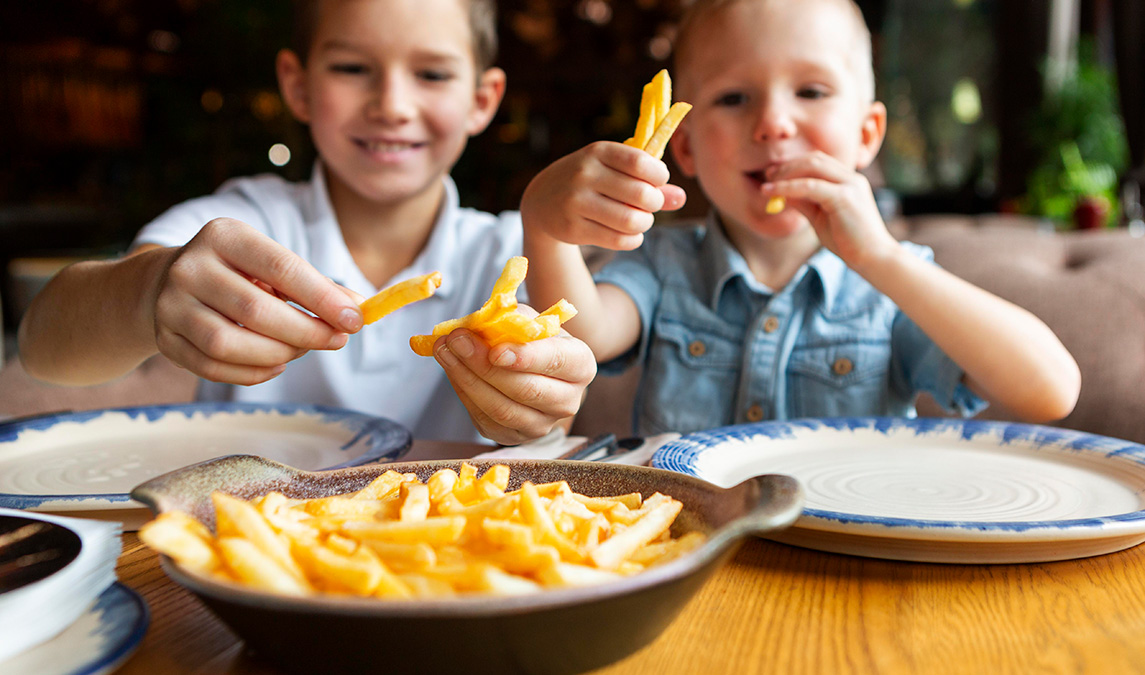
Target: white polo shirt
[376,372]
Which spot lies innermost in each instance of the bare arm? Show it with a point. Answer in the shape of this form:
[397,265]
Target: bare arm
[605,195]
[607,319]
[1010,357]
[92,321]
[213,306]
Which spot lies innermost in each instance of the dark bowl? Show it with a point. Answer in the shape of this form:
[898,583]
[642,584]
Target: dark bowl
[555,631]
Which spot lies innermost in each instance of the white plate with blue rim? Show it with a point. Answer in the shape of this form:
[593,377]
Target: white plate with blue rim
[98,642]
[85,464]
[936,490]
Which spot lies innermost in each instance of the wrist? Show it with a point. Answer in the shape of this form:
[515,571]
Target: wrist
[878,258]
[151,276]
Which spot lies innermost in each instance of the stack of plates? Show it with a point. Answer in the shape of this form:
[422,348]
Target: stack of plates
[53,571]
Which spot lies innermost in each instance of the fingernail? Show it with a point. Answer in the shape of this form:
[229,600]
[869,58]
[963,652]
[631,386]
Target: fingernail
[505,358]
[445,356]
[462,345]
[350,320]
[338,341]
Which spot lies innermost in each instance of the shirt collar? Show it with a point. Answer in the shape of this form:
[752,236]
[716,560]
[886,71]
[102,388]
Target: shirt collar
[331,257]
[720,262]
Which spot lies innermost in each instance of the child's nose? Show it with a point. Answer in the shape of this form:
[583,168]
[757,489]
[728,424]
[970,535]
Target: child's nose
[391,99]
[774,121]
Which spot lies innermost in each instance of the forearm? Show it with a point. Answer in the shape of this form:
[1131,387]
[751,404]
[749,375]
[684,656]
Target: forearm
[1009,355]
[93,321]
[557,270]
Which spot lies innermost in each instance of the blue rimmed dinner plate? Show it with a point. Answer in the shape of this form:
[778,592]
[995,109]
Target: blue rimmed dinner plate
[97,643]
[86,463]
[936,490]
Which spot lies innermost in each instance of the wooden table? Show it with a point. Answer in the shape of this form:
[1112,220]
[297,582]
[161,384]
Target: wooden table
[780,609]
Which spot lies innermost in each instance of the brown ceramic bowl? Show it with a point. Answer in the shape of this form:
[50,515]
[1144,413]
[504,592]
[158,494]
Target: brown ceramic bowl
[555,631]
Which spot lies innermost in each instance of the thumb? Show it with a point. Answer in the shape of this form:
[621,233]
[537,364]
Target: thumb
[674,197]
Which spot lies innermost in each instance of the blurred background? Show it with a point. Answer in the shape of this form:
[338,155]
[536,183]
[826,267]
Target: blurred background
[113,110]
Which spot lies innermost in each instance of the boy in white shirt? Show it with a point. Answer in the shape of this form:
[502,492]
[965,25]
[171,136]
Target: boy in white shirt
[391,91]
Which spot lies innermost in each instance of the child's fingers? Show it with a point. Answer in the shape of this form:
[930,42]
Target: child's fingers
[815,164]
[269,315]
[821,192]
[674,197]
[632,192]
[617,216]
[221,339]
[561,357]
[633,162]
[548,378]
[180,350]
[243,301]
[524,403]
[485,424]
[259,257]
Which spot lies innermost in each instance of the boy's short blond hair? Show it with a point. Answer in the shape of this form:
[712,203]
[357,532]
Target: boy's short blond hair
[482,26]
[864,66]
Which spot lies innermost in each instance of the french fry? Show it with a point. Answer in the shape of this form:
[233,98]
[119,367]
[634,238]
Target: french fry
[459,532]
[614,550]
[659,117]
[415,506]
[399,295]
[252,566]
[184,539]
[666,128]
[497,320]
[358,573]
[234,516]
[654,101]
[381,487]
[775,205]
[439,530]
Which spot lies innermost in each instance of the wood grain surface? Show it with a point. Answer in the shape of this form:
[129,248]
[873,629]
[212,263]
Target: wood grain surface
[780,609]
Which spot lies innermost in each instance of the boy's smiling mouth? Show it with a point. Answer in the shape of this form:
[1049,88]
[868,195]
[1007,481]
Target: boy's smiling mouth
[386,148]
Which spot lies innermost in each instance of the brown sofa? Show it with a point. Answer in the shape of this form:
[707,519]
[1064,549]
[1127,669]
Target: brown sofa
[1088,286]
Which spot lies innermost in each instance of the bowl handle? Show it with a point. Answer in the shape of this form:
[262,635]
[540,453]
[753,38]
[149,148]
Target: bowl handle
[189,488]
[772,502]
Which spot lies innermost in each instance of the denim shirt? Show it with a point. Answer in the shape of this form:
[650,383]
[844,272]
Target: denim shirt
[720,348]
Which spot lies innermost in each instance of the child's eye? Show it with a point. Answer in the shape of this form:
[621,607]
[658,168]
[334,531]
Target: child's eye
[436,75]
[812,93]
[348,68]
[730,99]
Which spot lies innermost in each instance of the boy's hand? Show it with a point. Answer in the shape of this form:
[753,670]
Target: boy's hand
[220,309]
[515,393]
[839,203]
[604,194]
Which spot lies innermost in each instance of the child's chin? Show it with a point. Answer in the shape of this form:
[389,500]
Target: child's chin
[779,225]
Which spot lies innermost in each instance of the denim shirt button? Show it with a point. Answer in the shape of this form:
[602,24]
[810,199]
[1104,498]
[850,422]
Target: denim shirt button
[697,348]
[754,413]
[770,324]
[842,366]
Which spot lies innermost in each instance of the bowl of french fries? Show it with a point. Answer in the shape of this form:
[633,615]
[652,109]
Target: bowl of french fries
[474,566]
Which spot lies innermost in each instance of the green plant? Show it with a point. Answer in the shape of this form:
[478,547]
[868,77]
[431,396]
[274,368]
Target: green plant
[1081,139]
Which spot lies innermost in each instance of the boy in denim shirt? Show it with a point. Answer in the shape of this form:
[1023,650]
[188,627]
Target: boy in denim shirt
[813,311]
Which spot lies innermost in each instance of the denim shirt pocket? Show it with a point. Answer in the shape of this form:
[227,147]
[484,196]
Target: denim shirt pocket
[845,379]
[690,379]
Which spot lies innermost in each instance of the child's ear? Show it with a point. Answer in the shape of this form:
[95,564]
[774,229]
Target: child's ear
[292,84]
[486,99]
[681,147]
[871,134]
